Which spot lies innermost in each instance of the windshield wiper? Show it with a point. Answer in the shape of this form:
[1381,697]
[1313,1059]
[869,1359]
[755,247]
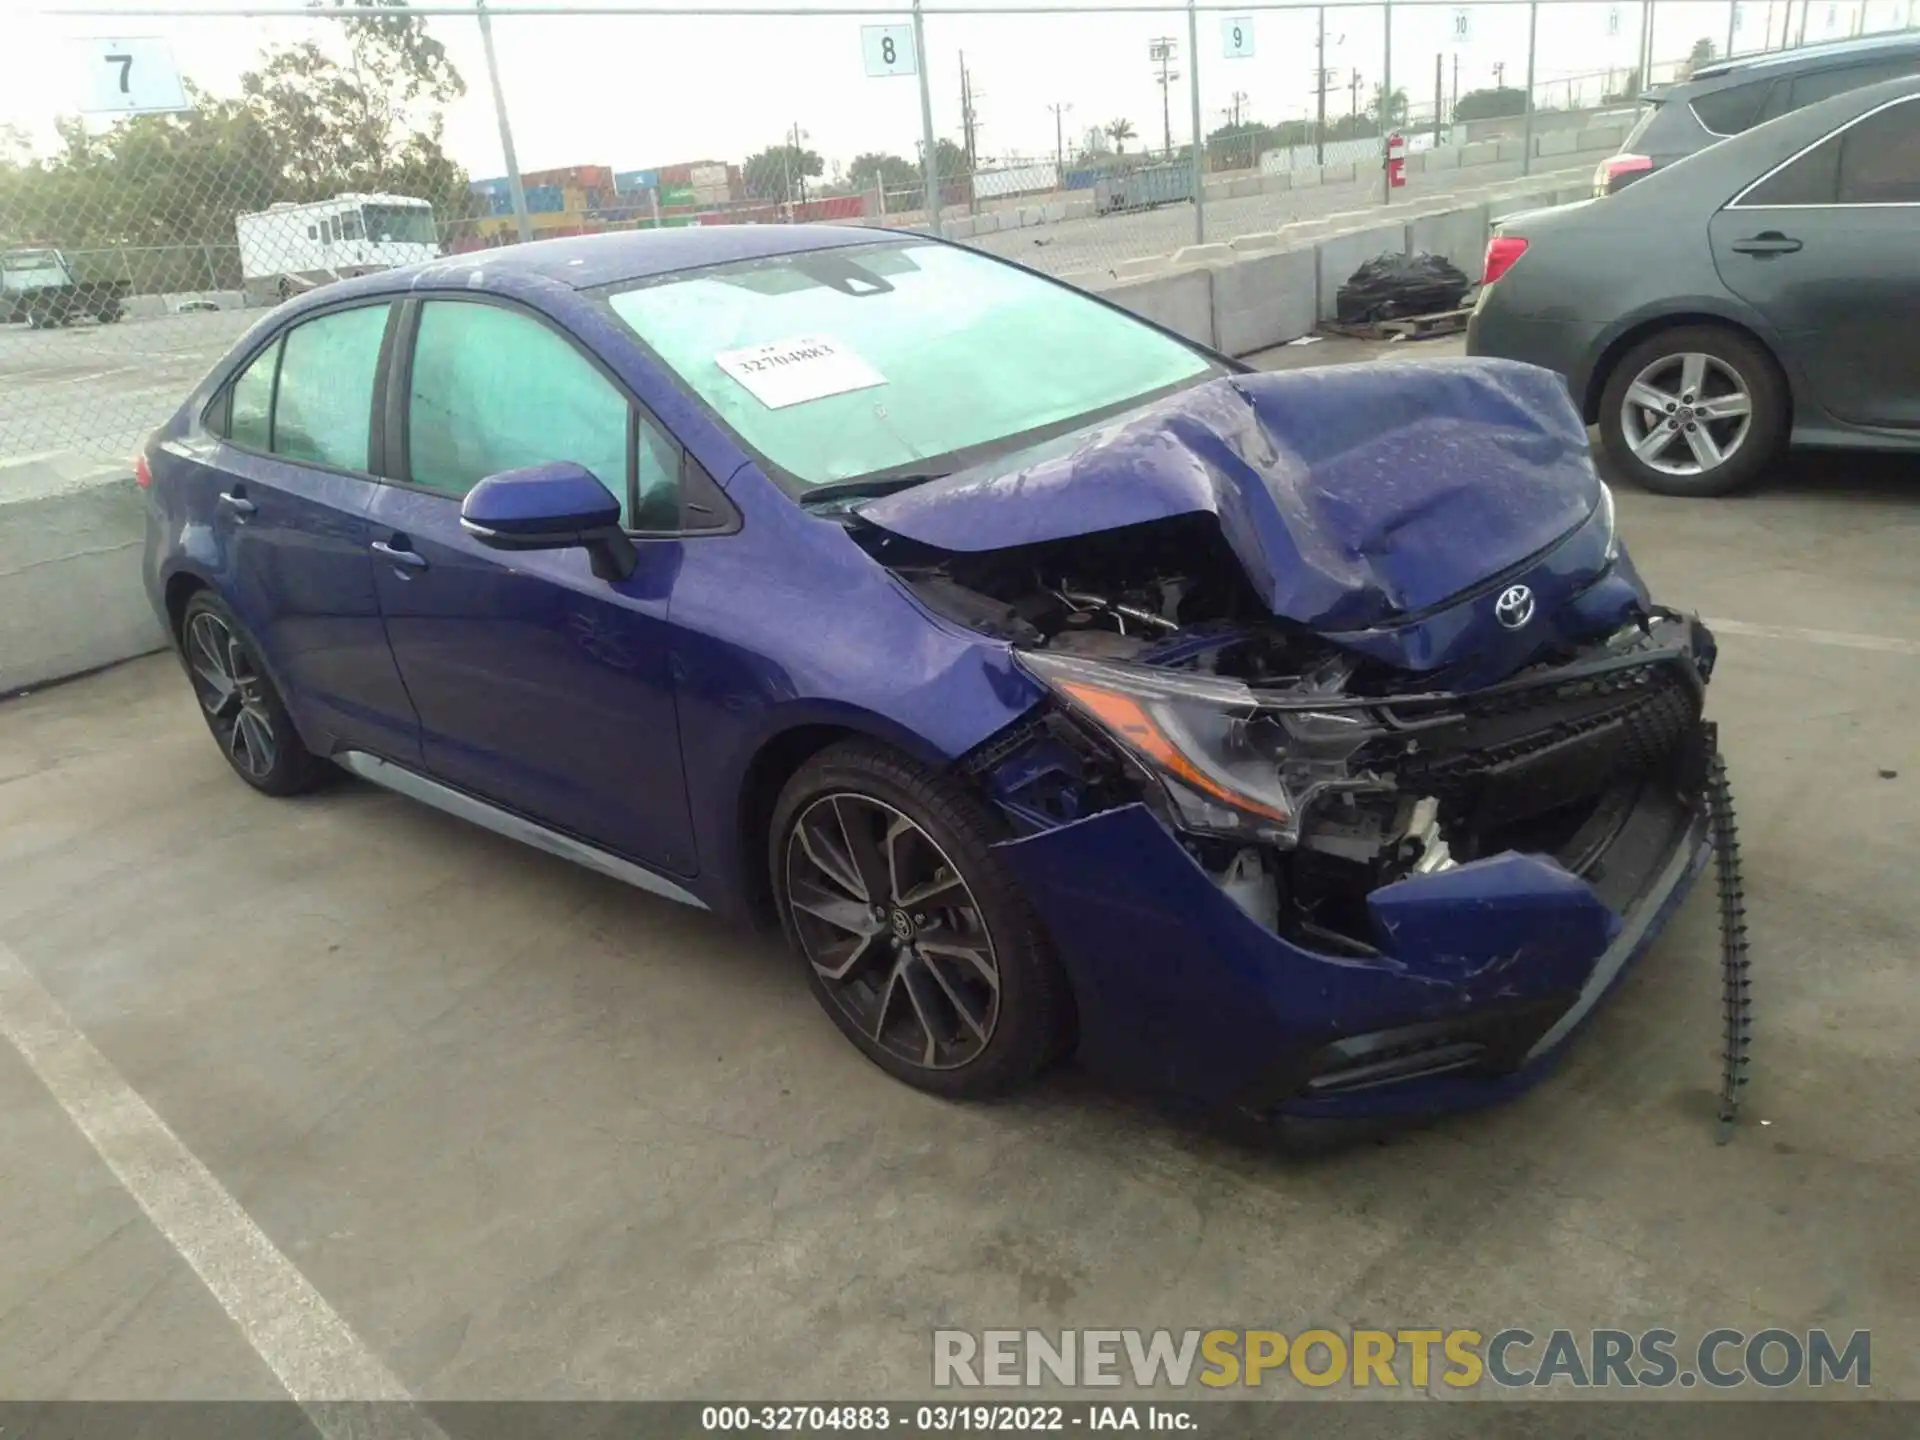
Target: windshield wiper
[865,488]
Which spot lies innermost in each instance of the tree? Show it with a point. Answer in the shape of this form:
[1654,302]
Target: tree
[887,171]
[1120,131]
[950,161]
[1491,104]
[154,197]
[777,172]
[1701,55]
[1396,108]
[1239,144]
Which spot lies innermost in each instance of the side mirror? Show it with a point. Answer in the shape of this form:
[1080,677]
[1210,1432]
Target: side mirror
[559,506]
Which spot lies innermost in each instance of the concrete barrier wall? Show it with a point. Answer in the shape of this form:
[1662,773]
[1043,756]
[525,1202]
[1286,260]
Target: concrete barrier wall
[1181,300]
[70,592]
[1265,298]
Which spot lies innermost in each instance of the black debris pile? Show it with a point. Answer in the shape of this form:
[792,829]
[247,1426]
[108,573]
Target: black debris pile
[1391,287]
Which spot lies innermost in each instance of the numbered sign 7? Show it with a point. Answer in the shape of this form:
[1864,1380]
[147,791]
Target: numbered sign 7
[120,76]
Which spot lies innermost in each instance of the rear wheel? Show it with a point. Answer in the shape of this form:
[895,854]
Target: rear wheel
[1697,410]
[240,705]
[917,942]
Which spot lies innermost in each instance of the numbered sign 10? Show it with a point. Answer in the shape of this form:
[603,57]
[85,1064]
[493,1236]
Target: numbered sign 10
[888,49]
[1460,26]
[128,77]
[1236,37]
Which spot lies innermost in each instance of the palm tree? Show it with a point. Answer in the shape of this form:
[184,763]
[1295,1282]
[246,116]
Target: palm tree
[1121,131]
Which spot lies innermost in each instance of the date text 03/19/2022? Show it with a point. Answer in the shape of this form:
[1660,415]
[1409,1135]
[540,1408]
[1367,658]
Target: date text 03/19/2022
[941,1419]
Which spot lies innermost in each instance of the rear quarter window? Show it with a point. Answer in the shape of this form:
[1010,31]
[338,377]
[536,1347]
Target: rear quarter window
[1729,111]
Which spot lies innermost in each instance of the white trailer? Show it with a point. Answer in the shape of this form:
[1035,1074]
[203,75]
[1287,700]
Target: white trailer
[288,248]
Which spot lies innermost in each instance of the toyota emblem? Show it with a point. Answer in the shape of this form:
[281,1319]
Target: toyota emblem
[1514,608]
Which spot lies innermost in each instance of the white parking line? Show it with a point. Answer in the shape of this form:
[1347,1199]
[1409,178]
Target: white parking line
[1886,644]
[310,1349]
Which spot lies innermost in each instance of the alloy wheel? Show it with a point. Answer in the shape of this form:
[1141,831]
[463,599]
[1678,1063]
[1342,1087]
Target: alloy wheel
[892,931]
[232,692]
[1686,414]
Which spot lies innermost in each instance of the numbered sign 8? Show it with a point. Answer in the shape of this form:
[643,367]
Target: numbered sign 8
[888,49]
[128,77]
[1236,37]
[1460,26]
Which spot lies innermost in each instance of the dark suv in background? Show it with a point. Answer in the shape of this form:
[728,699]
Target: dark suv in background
[1732,96]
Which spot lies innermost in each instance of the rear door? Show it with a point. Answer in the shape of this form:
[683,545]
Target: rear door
[1827,247]
[539,686]
[289,483]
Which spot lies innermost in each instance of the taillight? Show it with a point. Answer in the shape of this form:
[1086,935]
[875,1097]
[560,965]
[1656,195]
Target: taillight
[1502,251]
[1618,170]
[142,472]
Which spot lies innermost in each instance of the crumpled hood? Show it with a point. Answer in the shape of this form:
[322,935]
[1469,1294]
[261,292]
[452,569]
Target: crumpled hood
[1353,495]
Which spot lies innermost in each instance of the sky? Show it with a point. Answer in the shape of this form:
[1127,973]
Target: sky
[639,90]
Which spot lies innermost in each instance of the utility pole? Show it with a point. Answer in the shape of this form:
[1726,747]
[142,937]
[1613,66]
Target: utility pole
[1499,73]
[1059,138]
[1320,93]
[515,190]
[1353,98]
[1162,51]
[968,124]
[1453,101]
[1439,96]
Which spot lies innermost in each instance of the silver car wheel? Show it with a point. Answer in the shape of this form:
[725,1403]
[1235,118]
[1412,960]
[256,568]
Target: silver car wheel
[1686,414]
[893,931]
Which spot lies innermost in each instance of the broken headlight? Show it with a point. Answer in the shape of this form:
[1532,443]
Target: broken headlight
[1228,761]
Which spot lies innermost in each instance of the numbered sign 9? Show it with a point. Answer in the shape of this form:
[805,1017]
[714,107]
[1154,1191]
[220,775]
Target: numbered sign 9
[128,77]
[1236,37]
[888,49]
[1613,21]
[1460,26]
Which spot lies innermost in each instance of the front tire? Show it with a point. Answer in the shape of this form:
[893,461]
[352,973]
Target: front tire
[242,709]
[917,942]
[1698,410]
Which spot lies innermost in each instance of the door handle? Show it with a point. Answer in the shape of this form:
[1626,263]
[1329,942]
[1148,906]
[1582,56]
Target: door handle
[401,555]
[237,503]
[1767,243]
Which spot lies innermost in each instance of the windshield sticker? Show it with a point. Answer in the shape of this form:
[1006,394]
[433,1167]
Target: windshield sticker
[791,372]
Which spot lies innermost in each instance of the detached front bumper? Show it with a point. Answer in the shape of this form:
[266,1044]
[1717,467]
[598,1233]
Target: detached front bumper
[1482,971]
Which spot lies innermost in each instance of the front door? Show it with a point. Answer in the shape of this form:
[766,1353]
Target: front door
[539,686]
[1828,249]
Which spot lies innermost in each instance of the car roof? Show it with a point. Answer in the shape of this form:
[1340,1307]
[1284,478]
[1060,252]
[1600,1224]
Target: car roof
[1790,62]
[585,261]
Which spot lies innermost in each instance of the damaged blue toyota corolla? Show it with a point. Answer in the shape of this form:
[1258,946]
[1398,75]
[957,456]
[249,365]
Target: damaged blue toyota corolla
[1304,743]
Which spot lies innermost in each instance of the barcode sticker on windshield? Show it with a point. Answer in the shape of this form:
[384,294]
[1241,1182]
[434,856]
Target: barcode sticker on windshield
[791,372]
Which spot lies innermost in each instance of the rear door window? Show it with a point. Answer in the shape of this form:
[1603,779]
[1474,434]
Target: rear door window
[323,410]
[1821,85]
[1813,179]
[1880,158]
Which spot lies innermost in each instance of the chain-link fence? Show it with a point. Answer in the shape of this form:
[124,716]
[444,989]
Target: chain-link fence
[164,175]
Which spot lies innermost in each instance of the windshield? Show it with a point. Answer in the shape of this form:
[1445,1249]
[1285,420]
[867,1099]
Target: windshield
[409,223]
[896,358]
[30,260]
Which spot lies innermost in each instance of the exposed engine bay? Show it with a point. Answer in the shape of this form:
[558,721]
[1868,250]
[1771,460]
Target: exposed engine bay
[1301,775]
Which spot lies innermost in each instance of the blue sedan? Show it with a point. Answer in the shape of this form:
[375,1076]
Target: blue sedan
[1305,744]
